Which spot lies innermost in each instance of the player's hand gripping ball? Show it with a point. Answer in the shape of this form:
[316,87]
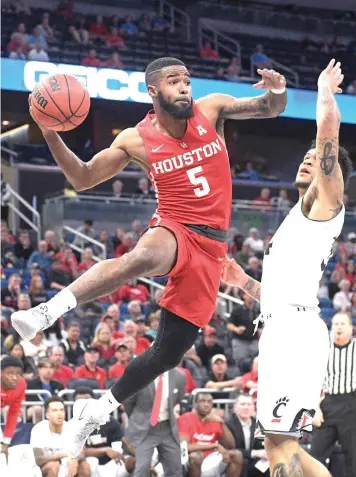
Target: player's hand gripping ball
[59,102]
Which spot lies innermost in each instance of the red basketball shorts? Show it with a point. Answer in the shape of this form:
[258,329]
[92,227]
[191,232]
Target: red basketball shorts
[194,281]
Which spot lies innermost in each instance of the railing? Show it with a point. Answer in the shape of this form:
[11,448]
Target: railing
[291,75]
[35,223]
[178,17]
[87,239]
[219,40]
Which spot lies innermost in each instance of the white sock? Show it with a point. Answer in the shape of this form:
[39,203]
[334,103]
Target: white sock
[108,403]
[60,304]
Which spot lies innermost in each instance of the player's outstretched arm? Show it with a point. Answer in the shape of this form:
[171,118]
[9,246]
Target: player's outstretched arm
[232,274]
[329,180]
[268,105]
[104,165]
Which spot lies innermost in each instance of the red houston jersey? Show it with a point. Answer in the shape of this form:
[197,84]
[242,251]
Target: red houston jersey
[191,176]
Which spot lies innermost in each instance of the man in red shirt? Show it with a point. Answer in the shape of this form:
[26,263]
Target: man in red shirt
[91,59]
[98,29]
[250,380]
[132,291]
[130,330]
[87,261]
[61,373]
[13,388]
[263,202]
[207,52]
[210,442]
[123,356]
[89,370]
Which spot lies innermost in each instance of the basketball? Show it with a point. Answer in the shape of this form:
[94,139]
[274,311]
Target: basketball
[60,102]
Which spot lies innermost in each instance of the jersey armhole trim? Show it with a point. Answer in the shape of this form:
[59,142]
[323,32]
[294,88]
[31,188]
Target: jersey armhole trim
[321,221]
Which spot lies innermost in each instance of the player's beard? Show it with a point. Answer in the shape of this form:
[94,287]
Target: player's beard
[301,185]
[174,110]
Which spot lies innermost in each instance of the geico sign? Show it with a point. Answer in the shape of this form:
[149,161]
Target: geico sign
[101,83]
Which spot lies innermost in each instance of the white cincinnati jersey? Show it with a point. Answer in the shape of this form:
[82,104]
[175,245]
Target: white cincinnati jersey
[295,259]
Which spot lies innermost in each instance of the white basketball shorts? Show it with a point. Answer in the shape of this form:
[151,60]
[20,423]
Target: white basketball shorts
[293,357]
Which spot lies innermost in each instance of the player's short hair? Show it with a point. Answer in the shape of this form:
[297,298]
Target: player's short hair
[9,361]
[52,399]
[156,65]
[344,161]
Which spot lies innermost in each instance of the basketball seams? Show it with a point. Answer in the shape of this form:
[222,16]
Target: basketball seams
[68,92]
[48,115]
[59,109]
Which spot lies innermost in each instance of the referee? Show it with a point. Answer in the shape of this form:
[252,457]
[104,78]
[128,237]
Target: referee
[337,414]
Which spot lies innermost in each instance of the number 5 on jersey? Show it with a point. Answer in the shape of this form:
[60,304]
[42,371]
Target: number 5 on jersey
[201,181]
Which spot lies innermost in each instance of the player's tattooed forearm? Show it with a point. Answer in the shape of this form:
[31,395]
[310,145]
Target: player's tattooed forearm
[294,468]
[328,158]
[253,288]
[265,106]
[277,103]
[336,210]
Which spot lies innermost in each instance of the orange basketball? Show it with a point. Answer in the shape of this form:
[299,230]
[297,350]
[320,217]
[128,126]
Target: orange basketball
[60,102]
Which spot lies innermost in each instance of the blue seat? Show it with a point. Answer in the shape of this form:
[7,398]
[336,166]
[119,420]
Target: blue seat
[51,293]
[10,271]
[325,303]
[4,284]
[327,313]
[78,382]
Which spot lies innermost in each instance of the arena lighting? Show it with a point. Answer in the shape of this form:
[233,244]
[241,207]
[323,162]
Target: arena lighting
[14,131]
[5,123]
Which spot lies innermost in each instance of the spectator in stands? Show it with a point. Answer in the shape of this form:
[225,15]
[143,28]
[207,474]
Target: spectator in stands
[37,291]
[351,89]
[123,356]
[38,53]
[23,302]
[114,312]
[23,248]
[241,325]
[260,59]
[68,260]
[36,38]
[129,28]
[190,384]
[242,257]
[250,379]
[103,343]
[263,202]
[9,295]
[342,299]
[86,229]
[155,303]
[218,378]
[250,172]
[208,440]
[12,392]
[117,187]
[105,240]
[130,330]
[220,74]
[114,62]
[90,370]
[254,269]
[126,245]
[131,344]
[45,29]
[114,39]
[20,6]
[254,241]
[74,349]
[65,9]
[100,444]
[119,235]
[62,373]
[80,36]
[350,274]
[283,203]
[333,285]
[133,291]
[98,30]
[153,321]
[21,33]
[15,44]
[135,310]
[91,59]
[350,245]
[41,257]
[145,24]
[136,229]
[16,351]
[143,187]
[44,382]
[233,70]
[209,347]
[38,347]
[18,54]
[160,23]
[242,425]
[87,261]
[51,240]
[57,277]
[48,440]
[207,52]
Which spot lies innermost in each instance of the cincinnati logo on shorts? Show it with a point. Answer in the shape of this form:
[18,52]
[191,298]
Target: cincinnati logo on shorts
[40,100]
[279,409]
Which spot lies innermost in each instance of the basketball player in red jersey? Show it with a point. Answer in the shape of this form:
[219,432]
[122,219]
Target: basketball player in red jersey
[181,147]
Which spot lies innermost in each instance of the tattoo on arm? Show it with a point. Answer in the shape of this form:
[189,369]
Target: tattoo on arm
[294,468]
[253,288]
[267,105]
[337,209]
[328,157]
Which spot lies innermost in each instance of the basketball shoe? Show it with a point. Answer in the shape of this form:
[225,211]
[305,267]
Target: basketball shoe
[29,322]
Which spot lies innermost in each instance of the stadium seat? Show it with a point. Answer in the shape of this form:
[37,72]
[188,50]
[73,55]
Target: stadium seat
[77,382]
[109,383]
[325,303]
[51,293]
[327,313]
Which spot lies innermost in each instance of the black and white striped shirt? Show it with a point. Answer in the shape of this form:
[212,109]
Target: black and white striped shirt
[341,374]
